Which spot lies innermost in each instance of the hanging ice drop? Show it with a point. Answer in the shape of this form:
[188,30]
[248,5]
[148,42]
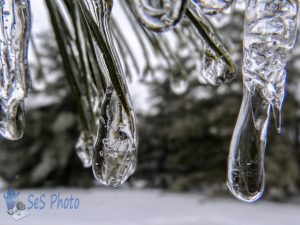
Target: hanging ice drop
[269,36]
[215,71]
[246,174]
[212,7]
[115,152]
[14,82]
[158,15]
[217,65]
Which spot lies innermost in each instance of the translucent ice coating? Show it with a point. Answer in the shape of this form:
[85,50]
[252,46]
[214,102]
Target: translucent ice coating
[212,7]
[85,143]
[116,154]
[158,15]
[217,65]
[115,150]
[90,86]
[269,36]
[246,158]
[14,37]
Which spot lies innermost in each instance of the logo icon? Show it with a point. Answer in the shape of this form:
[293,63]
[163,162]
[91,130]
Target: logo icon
[15,208]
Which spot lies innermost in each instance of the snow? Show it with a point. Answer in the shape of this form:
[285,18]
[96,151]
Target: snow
[151,207]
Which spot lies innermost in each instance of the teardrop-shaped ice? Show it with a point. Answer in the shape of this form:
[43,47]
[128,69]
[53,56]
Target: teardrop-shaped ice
[115,154]
[158,15]
[217,65]
[211,7]
[14,82]
[215,71]
[84,148]
[246,176]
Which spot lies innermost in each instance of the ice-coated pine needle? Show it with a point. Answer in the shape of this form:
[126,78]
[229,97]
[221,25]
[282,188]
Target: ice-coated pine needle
[115,149]
[217,65]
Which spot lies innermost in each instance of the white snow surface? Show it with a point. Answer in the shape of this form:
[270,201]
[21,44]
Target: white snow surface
[151,207]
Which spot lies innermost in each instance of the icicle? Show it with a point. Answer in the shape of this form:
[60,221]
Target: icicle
[115,149]
[211,7]
[218,66]
[246,158]
[269,36]
[159,15]
[14,82]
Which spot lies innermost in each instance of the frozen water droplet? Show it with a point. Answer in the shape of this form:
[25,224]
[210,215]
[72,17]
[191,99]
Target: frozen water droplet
[115,154]
[14,82]
[217,65]
[212,7]
[179,86]
[215,70]
[246,176]
[115,150]
[159,15]
[84,148]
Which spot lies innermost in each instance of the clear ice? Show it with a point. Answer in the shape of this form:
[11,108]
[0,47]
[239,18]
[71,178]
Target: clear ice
[211,7]
[269,36]
[217,65]
[14,82]
[246,175]
[115,149]
[158,15]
